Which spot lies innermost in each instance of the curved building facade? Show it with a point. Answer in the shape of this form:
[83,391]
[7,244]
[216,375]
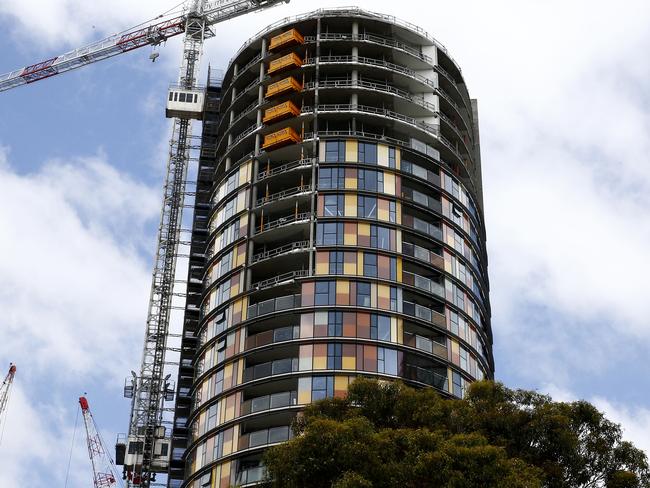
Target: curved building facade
[345,233]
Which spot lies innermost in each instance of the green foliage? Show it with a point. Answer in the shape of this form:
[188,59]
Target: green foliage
[387,435]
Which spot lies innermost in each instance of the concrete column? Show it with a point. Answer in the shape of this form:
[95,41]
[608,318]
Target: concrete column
[355,28]
[228,163]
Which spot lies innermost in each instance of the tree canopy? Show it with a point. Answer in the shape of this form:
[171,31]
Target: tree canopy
[386,434]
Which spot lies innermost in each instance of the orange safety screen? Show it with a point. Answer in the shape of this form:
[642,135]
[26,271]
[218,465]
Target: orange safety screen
[280,111]
[280,138]
[291,60]
[287,38]
[282,86]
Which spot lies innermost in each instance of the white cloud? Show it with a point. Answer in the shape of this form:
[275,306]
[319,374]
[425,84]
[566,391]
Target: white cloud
[74,300]
[74,287]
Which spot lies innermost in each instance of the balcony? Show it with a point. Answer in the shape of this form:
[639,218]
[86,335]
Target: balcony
[269,172]
[274,305]
[420,225]
[281,334]
[426,376]
[283,221]
[250,476]
[284,194]
[281,251]
[269,402]
[423,199]
[418,252]
[264,437]
[424,313]
[425,344]
[282,279]
[271,368]
[423,283]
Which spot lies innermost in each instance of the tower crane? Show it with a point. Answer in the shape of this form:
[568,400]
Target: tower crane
[5,391]
[104,471]
[145,451]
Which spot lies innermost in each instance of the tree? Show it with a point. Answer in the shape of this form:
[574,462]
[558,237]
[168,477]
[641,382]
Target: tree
[385,434]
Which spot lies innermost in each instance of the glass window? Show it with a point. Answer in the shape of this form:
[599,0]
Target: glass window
[181,97]
[363,294]
[380,327]
[393,268]
[325,293]
[334,356]
[391,157]
[457,380]
[367,152]
[386,361]
[322,387]
[453,316]
[394,305]
[331,178]
[392,211]
[278,434]
[369,264]
[370,180]
[335,324]
[367,207]
[336,262]
[334,205]
[329,234]
[383,237]
[335,151]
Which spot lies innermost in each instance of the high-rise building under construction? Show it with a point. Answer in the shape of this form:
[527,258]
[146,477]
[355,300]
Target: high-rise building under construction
[338,232]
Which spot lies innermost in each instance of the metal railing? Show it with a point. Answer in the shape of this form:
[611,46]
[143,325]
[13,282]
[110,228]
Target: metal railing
[289,192]
[375,39]
[372,62]
[281,279]
[424,313]
[274,305]
[423,283]
[282,221]
[294,246]
[300,163]
[348,12]
[343,107]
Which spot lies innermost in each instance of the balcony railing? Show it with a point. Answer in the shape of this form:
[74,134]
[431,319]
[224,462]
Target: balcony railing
[282,221]
[278,251]
[301,163]
[281,279]
[269,402]
[423,283]
[281,334]
[420,225]
[424,313]
[341,107]
[274,305]
[264,437]
[375,39]
[422,199]
[271,368]
[425,344]
[413,250]
[373,62]
[289,192]
[426,376]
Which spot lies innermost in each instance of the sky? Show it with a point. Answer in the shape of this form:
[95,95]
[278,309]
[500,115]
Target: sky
[564,111]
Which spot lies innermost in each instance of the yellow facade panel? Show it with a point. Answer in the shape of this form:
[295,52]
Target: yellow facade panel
[351,151]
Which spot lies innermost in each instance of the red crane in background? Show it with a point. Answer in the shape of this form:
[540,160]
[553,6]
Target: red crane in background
[104,471]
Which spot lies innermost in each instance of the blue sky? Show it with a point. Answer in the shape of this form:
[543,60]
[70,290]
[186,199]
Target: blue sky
[564,117]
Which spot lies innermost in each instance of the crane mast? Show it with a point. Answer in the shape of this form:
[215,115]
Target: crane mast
[104,471]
